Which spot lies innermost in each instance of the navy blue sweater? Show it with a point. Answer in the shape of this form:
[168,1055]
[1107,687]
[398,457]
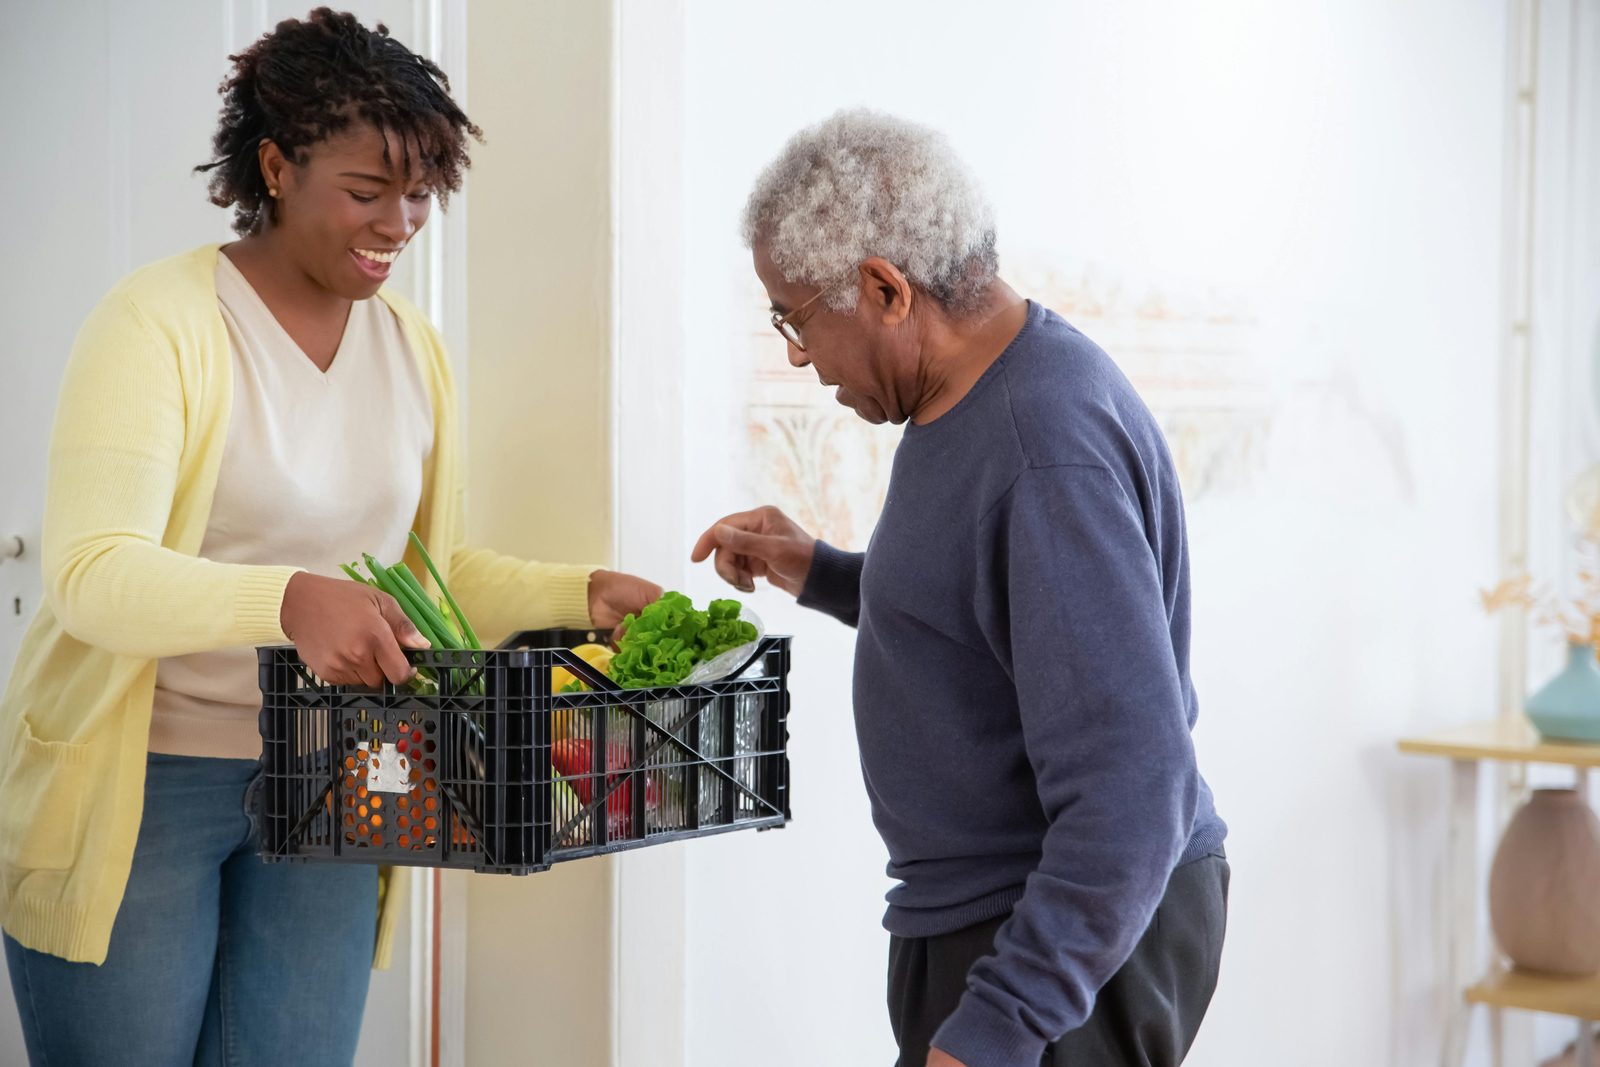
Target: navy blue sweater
[1022,692]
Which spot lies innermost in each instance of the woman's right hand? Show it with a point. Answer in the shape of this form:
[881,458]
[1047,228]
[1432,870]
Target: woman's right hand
[764,543]
[347,632]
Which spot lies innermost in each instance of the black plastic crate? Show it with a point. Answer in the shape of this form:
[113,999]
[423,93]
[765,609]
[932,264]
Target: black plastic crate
[466,772]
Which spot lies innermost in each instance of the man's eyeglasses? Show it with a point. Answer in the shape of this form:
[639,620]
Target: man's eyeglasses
[784,322]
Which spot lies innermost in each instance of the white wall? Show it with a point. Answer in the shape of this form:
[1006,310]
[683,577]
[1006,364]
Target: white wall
[1284,219]
[650,993]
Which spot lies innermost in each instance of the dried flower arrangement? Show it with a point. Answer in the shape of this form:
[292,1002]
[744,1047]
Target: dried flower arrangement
[1578,617]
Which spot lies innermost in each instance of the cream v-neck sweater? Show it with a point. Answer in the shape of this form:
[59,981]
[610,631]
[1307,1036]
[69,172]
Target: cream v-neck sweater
[319,467]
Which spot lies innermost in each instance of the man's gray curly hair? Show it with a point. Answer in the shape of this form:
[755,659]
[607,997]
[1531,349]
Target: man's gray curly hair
[862,183]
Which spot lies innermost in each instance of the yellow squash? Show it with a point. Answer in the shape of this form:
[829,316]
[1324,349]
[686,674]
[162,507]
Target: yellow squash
[596,656]
[567,724]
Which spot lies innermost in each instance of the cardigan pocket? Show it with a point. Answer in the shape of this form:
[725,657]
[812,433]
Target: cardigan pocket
[42,803]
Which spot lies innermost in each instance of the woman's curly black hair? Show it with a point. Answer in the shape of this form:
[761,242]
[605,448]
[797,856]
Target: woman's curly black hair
[309,79]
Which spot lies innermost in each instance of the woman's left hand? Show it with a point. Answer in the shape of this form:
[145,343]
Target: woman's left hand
[613,594]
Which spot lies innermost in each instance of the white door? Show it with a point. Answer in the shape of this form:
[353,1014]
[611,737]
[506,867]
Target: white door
[116,105]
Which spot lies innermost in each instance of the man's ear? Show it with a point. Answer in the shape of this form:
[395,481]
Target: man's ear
[887,291]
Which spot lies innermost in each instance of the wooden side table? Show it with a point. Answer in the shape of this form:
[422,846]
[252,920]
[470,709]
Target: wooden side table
[1499,988]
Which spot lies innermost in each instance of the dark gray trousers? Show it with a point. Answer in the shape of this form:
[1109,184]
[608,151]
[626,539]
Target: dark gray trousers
[1147,1015]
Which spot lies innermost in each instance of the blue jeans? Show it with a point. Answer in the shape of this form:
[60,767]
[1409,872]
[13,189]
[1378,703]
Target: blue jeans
[216,957]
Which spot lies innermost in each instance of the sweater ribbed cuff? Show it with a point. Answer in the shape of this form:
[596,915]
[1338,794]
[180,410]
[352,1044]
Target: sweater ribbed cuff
[566,591]
[980,1035]
[833,584]
[258,604]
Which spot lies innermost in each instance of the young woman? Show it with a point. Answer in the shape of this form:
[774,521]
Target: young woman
[234,423]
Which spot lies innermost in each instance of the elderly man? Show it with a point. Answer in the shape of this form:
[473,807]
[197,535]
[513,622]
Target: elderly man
[1022,690]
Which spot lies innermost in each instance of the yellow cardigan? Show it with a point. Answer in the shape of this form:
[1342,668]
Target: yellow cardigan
[139,433]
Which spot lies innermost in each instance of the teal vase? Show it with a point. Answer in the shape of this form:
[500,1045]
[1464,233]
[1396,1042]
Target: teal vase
[1567,708]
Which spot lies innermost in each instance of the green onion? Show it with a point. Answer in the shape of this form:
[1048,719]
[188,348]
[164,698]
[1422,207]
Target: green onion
[442,622]
[395,588]
[419,599]
[355,574]
[455,609]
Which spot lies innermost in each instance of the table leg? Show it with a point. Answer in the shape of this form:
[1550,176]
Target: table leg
[1461,959]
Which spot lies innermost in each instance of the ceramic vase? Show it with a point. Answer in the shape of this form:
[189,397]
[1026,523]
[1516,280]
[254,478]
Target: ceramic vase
[1567,708]
[1544,885]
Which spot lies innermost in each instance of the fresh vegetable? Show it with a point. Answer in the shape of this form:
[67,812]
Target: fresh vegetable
[566,722]
[442,622]
[573,761]
[566,810]
[455,609]
[597,656]
[664,642]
